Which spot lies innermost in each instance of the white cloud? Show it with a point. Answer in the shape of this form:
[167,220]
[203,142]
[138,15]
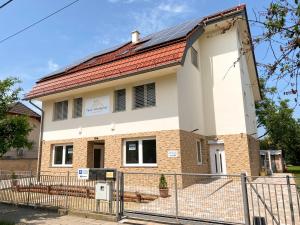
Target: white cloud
[52,66]
[159,17]
[172,7]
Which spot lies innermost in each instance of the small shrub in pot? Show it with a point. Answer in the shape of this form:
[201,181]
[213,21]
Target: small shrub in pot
[163,187]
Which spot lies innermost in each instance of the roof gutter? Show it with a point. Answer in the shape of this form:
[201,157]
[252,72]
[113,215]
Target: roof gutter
[40,140]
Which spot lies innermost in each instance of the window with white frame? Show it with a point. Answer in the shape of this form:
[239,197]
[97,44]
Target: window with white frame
[194,57]
[62,155]
[140,152]
[199,146]
[60,110]
[77,107]
[144,95]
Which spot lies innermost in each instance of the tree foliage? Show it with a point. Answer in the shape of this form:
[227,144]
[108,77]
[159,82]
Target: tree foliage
[280,32]
[282,130]
[14,130]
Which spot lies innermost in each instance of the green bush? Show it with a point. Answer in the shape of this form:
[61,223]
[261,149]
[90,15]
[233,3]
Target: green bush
[163,182]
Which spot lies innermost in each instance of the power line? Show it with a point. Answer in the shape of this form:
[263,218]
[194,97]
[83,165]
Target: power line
[37,22]
[1,6]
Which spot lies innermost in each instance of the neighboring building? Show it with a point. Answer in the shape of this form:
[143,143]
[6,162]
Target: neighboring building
[272,160]
[23,159]
[179,100]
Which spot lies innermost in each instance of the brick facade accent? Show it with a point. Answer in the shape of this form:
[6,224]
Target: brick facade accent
[254,155]
[241,152]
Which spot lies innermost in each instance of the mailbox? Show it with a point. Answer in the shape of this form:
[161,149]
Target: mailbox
[103,191]
[103,174]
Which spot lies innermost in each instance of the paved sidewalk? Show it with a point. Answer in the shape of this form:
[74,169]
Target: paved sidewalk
[24,215]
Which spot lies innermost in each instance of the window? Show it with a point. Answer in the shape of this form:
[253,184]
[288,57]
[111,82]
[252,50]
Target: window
[199,146]
[144,96]
[62,155]
[77,107]
[60,110]
[140,152]
[194,57]
[120,100]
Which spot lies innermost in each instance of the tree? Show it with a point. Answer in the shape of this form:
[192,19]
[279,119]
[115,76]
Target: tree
[282,130]
[280,33]
[14,130]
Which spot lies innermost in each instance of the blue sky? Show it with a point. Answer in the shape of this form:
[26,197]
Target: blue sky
[89,26]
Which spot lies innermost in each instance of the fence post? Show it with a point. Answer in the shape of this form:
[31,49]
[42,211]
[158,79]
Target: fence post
[122,193]
[176,196]
[67,190]
[290,199]
[29,188]
[245,198]
[117,185]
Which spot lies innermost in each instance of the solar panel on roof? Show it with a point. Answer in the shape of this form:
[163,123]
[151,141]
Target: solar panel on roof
[169,34]
[159,37]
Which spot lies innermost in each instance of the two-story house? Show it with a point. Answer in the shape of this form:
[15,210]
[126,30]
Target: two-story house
[179,100]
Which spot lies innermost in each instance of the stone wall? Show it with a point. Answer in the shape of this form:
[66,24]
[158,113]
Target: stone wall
[18,164]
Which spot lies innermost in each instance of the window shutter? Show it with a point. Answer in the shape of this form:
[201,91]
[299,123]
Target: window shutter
[120,100]
[77,107]
[150,94]
[139,96]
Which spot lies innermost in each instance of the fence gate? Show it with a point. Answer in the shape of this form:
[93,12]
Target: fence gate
[272,200]
[191,197]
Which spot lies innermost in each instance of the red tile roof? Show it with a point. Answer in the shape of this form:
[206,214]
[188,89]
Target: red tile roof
[119,63]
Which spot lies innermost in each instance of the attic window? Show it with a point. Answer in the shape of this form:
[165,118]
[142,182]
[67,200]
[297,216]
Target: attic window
[194,57]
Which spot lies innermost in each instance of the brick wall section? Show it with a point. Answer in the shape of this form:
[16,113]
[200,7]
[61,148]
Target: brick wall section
[240,152]
[189,153]
[82,152]
[254,155]
[18,164]
[189,156]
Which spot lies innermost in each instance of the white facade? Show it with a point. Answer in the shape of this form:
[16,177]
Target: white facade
[216,98]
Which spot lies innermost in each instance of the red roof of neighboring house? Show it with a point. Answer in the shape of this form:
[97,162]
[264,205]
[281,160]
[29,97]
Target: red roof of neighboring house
[149,54]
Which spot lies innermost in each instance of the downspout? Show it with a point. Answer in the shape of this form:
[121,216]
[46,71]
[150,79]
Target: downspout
[40,141]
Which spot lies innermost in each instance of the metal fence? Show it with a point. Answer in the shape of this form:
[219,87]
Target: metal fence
[237,199]
[59,190]
[204,197]
[273,200]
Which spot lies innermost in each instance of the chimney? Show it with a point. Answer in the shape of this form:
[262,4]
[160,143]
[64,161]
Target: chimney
[135,37]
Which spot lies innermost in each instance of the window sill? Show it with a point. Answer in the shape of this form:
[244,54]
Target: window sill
[139,166]
[119,111]
[145,107]
[61,166]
